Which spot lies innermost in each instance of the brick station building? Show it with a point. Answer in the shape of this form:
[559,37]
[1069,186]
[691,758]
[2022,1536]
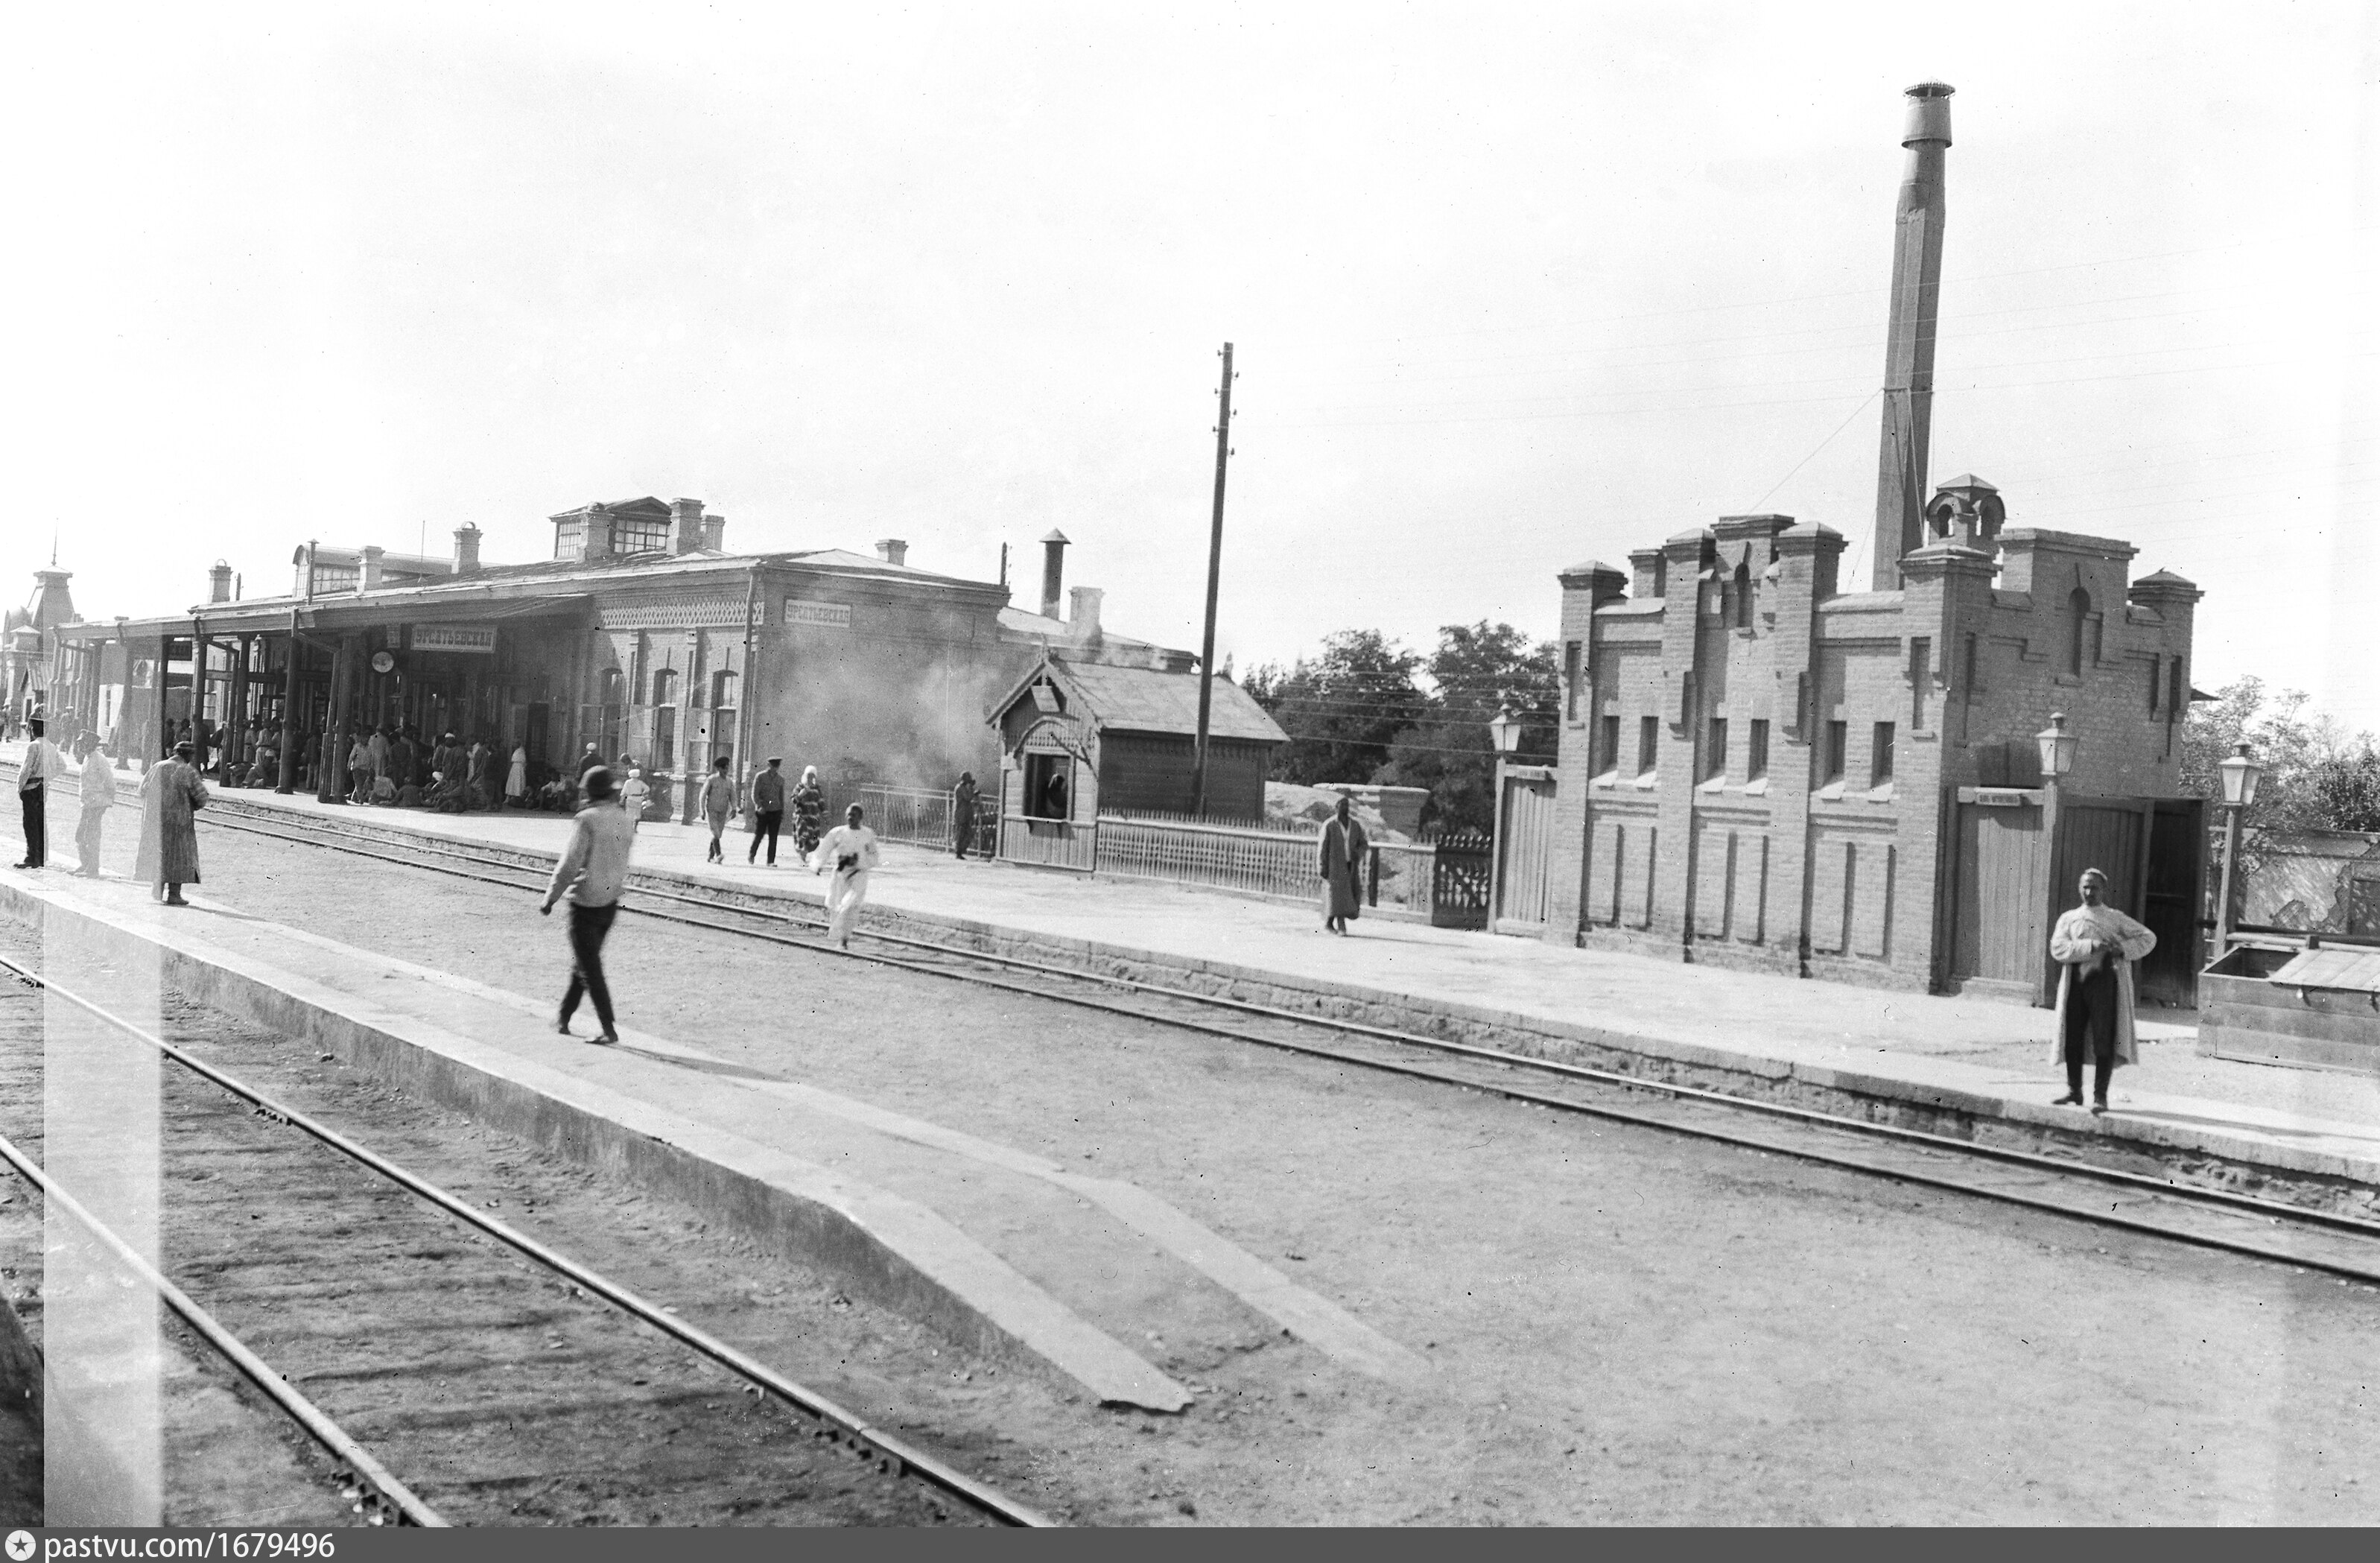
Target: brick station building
[639,634]
[1761,767]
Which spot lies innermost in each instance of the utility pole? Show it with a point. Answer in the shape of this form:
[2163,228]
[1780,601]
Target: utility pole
[1214,581]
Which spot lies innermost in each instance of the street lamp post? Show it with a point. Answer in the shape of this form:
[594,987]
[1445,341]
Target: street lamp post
[1504,733]
[2057,750]
[2239,775]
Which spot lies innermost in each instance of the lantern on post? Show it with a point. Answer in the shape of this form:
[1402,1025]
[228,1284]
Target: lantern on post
[1505,731]
[2058,748]
[2239,775]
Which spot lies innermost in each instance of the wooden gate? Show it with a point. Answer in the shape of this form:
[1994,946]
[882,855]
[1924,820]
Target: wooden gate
[1525,839]
[1459,876]
[2000,893]
[2011,887]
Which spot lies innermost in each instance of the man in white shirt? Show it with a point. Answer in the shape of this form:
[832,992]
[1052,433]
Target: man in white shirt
[848,853]
[593,873]
[98,797]
[43,761]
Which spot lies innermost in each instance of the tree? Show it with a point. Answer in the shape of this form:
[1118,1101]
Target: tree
[2345,789]
[1476,670]
[1340,707]
[2312,765]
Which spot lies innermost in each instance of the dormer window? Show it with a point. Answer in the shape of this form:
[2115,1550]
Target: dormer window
[569,537]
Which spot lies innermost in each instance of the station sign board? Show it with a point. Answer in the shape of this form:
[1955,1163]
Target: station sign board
[818,615]
[470,640]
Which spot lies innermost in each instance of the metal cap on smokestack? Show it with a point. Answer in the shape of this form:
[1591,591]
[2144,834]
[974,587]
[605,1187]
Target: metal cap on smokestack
[1909,346]
[1053,571]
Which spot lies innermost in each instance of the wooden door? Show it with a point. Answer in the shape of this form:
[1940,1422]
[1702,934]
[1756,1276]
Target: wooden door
[1524,851]
[2176,869]
[1998,937]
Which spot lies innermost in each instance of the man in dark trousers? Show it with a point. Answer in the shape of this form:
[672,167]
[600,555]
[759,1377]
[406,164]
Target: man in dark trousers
[962,810]
[768,807]
[593,871]
[42,762]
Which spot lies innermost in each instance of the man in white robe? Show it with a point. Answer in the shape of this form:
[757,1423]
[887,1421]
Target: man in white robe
[2095,945]
[98,797]
[848,851]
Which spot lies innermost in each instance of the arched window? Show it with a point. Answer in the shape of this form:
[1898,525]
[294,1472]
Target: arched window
[1743,595]
[2078,613]
[665,686]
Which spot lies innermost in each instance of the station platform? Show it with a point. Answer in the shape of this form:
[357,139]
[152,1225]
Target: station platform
[1005,1251]
[1983,1060]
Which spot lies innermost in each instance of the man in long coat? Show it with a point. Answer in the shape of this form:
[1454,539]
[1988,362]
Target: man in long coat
[964,799]
[1344,849]
[170,795]
[2095,946]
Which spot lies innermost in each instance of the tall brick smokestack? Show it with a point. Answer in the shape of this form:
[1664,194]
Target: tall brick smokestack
[1053,571]
[1909,349]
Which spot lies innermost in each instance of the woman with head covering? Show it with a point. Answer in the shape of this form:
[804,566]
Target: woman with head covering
[2095,945]
[516,780]
[634,795]
[809,811]
[170,794]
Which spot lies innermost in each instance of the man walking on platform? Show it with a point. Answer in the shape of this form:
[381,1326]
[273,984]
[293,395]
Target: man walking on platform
[849,851]
[768,808]
[41,762]
[718,803]
[98,797]
[593,873]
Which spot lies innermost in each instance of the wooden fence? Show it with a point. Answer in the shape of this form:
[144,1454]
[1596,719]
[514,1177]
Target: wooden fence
[1268,860]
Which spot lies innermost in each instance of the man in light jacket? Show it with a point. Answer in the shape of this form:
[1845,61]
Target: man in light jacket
[593,873]
[718,803]
[42,762]
[98,797]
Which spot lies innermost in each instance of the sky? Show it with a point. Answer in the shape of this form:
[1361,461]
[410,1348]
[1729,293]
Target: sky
[1511,287]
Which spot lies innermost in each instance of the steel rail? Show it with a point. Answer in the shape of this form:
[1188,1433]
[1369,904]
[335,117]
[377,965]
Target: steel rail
[888,1446]
[341,1445]
[2227,1199]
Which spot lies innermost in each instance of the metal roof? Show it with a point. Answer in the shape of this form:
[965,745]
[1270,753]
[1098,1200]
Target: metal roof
[1128,699]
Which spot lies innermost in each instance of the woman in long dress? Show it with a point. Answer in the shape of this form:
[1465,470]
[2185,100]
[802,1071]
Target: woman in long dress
[1344,848]
[634,794]
[170,794]
[516,781]
[809,811]
[2095,946]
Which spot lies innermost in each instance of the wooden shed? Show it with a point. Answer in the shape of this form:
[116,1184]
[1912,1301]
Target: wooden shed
[1077,738]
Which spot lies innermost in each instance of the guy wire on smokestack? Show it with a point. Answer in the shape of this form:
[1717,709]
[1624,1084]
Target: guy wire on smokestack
[1909,346]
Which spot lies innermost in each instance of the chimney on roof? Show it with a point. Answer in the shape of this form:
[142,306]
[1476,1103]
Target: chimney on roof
[1083,613]
[893,551]
[219,582]
[684,525]
[467,549]
[1054,570]
[370,580]
[715,533]
[1909,344]
[596,533]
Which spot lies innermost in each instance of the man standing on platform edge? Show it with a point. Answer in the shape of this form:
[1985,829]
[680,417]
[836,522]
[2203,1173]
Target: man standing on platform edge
[593,873]
[41,762]
[768,808]
[718,803]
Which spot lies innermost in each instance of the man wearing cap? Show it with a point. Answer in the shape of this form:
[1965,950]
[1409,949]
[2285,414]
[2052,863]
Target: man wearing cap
[2095,946]
[718,803]
[170,794]
[593,871]
[43,761]
[768,808]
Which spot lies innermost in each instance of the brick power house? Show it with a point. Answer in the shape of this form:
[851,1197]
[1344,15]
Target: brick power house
[1760,767]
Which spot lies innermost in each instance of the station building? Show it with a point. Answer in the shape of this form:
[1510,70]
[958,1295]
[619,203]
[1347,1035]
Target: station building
[639,634]
[1760,766]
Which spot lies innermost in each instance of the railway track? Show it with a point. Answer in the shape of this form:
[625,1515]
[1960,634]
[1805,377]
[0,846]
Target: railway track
[453,1368]
[2311,1238]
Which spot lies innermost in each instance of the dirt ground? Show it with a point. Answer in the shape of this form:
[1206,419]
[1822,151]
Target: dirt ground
[1627,1326]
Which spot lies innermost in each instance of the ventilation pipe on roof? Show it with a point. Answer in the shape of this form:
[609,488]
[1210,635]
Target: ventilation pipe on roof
[893,551]
[1053,571]
[467,549]
[219,582]
[1083,613]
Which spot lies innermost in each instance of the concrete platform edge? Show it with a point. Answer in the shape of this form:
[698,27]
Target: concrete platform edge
[889,1250]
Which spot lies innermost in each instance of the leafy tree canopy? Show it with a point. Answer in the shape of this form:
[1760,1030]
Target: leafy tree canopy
[2317,775]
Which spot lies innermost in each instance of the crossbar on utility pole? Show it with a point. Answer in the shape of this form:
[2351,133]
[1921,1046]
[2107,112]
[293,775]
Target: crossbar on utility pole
[1214,581]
